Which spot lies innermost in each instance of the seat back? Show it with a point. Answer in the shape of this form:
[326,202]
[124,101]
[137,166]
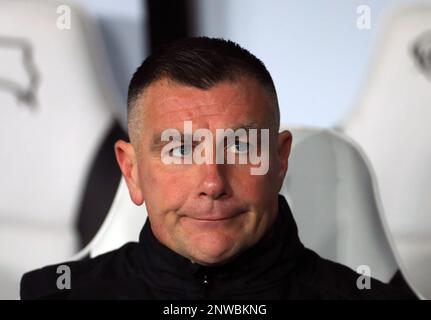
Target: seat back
[335,203]
[56,106]
[391,122]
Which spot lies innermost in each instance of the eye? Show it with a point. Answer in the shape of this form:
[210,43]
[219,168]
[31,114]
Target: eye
[240,147]
[181,151]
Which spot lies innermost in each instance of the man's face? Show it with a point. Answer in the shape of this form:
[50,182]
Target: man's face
[207,212]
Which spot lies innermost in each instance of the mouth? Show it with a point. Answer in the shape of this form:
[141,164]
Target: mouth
[209,213]
[213,219]
[217,217]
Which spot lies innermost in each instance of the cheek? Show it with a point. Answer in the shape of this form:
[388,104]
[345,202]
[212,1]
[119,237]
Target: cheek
[165,187]
[254,188]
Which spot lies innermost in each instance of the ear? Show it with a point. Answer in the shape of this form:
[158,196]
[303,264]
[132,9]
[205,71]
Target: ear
[127,160]
[284,145]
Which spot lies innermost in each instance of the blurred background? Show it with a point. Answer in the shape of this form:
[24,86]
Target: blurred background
[359,67]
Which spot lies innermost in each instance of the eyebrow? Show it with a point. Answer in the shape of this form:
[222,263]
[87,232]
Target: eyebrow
[157,143]
[246,127]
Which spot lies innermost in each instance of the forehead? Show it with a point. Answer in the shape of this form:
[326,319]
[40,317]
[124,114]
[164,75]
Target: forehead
[167,104]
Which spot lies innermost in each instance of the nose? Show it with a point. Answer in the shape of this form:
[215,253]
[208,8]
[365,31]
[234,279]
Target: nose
[213,184]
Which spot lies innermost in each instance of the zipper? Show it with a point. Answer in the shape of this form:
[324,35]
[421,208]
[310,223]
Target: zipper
[205,282]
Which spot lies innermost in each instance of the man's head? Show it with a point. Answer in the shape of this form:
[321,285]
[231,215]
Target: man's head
[207,212]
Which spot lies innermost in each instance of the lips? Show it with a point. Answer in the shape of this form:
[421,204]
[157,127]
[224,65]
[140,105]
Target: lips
[214,213]
[215,218]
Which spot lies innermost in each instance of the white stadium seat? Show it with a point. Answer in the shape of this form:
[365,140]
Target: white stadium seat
[391,122]
[56,107]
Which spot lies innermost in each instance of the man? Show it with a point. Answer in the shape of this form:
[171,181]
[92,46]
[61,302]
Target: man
[215,229]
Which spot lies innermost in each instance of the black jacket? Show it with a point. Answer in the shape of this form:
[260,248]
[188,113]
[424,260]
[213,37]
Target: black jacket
[277,267]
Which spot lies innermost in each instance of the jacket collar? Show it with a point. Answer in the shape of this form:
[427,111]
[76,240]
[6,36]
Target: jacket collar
[266,262]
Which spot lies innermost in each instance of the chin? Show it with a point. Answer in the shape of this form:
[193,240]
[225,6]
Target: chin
[212,261]
[214,250]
